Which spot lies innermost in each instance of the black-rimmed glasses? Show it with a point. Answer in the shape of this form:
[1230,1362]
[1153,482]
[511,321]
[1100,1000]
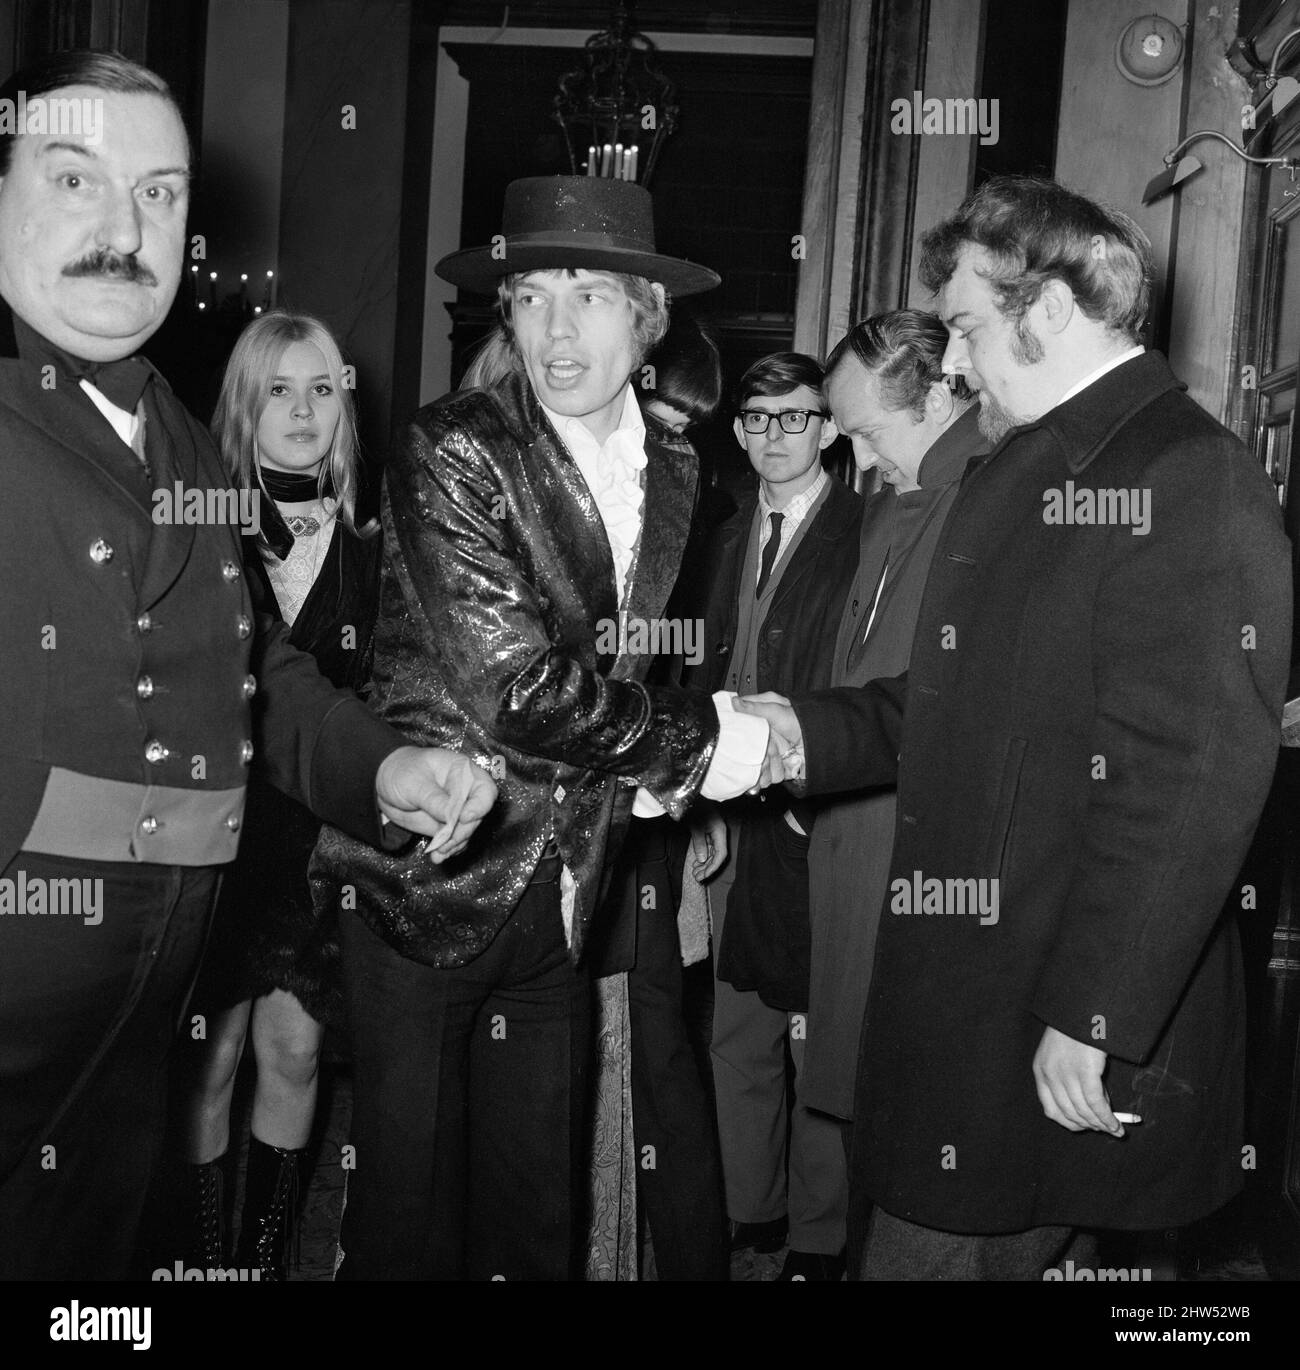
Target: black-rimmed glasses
[791,420]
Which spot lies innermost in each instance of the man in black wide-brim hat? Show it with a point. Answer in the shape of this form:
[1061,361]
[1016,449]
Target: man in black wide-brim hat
[533,532]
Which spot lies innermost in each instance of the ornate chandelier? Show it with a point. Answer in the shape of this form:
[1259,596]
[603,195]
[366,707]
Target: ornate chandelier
[618,105]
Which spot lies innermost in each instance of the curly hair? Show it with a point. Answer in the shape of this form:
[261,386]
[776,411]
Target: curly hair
[1036,231]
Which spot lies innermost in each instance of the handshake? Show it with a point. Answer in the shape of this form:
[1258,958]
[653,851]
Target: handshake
[785,759]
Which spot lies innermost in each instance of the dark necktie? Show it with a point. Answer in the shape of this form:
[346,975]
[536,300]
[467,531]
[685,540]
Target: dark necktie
[769,553]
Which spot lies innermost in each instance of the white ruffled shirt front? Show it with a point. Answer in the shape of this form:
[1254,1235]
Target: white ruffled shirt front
[613,472]
[613,475]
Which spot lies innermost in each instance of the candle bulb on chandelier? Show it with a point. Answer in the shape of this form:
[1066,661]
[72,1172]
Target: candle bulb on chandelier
[618,161]
[592,157]
[631,163]
[607,160]
[212,288]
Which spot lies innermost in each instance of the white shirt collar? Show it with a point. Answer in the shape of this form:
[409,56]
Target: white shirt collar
[797,510]
[612,471]
[125,424]
[1135,351]
[578,438]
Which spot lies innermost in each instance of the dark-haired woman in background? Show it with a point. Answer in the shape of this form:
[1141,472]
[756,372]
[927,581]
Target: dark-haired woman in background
[286,428]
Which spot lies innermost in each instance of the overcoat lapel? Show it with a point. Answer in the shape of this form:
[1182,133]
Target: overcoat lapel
[873,551]
[825,523]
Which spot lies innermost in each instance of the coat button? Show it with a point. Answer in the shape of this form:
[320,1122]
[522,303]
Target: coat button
[144,687]
[244,626]
[249,686]
[149,825]
[232,822]
[145,623]
[100,552]
[154,752]
[245,752]
[229,571]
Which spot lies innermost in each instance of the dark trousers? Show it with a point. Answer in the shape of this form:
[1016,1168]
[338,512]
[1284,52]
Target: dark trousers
[467,1104]
[900,1250]
[88,1013]
[679,1174]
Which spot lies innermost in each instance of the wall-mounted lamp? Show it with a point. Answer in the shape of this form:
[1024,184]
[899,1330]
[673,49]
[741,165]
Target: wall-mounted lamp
[1179,168]
[1279,90]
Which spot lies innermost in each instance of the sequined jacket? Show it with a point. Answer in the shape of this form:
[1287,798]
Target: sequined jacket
[497,595]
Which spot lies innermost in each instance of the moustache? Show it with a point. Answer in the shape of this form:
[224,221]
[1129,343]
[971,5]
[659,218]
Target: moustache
[114,265]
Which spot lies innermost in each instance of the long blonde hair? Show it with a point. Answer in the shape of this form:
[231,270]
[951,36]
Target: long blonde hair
[494,358]
[256,358]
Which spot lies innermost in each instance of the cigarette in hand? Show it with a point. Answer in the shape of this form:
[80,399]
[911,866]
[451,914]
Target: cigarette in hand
[1128,1118]
[462,783]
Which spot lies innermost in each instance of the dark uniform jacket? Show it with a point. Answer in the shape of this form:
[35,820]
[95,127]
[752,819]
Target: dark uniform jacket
[130,657]
[497,589]
[1091,719]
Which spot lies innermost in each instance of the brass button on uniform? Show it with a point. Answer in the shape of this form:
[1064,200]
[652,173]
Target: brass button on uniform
[100,552]
[144,687]
[230,571]
[145,623]
[232,822]
[154,752]
[245,752]
[244,626]
[250,686]
[149,825]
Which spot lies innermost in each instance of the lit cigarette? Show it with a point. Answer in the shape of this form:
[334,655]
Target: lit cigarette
[1128,1118]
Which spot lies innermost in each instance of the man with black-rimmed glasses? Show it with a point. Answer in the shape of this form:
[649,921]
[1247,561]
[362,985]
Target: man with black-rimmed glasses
[780,570]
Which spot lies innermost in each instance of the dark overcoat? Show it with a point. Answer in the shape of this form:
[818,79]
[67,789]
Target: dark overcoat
[798,633]
[852,836]
[765,942]
[1090,718]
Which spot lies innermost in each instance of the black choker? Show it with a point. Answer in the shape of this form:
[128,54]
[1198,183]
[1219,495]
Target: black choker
[291,488]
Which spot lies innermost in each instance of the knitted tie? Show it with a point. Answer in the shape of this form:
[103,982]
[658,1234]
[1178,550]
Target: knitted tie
[770,553]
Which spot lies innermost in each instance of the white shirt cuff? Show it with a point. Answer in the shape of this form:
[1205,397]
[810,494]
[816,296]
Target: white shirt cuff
[645,805]
[741,749]
[737,759]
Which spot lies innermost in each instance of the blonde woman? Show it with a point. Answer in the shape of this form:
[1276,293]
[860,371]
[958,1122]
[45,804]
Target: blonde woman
[285,425]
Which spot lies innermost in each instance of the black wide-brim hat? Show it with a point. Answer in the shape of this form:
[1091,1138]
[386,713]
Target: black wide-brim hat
[590,222]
